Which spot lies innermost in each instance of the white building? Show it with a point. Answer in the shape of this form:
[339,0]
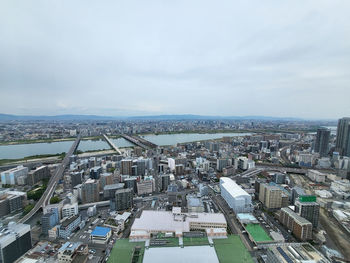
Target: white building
[238,199]
[341,185]
[69,210]
[175,222]
[10,176]
[316,176]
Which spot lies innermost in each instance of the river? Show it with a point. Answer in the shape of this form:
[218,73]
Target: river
[17,151]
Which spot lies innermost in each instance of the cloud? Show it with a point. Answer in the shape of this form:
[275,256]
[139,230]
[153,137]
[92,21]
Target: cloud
[173,57]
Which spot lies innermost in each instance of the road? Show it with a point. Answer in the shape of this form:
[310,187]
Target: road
[51,187]
[231,220]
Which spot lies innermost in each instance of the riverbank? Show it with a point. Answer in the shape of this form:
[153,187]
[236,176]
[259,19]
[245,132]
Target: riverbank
[92,138]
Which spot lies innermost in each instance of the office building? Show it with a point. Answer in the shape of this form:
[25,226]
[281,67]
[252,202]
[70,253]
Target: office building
[123,199]
[308,208]
[238,199]
[90,191]
[322,141]
[270,196]
[300,227]
[15,241]
[10,176]
[48,221]
[38,174]
[100,235]
[343,137]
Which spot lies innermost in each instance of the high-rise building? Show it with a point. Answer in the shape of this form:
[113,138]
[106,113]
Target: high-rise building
[106,179]
[10,176]
[109,190]
[300,227]
[343,137]
[270,196]
[123,199]
[95,172]
[126,167]
[308,208]
[322,141]
[90,191]
[165,182]
[76,178]
[40,173]
[14,242]
[296,192]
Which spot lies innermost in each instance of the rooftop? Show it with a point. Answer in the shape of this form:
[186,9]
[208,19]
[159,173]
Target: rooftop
[100,231]
[164,220]
[234,189]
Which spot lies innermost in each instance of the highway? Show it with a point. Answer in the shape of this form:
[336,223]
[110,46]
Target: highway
[51,187]
[139,141]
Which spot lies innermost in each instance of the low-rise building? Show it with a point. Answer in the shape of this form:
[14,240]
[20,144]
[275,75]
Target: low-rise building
[101,235]
[68,226]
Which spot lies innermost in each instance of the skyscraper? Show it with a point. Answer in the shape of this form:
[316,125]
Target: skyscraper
[322,141]
[343,137]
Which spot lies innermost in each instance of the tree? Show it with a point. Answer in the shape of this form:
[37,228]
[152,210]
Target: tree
[55,200]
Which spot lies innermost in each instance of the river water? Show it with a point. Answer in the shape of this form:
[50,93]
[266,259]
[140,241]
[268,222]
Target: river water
[18,151]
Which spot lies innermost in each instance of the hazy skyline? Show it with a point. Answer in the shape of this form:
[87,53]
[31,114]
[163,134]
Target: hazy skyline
[228,58]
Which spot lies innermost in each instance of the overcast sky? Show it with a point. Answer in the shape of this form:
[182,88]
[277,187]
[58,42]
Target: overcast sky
[237,58]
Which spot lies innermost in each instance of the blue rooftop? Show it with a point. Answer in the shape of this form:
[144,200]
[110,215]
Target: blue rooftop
[100,231]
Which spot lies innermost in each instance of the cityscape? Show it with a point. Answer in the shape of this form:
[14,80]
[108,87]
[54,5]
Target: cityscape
[174,131]
[140,190]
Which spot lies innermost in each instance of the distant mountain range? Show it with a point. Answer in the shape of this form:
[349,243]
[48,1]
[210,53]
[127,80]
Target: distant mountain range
[69,117]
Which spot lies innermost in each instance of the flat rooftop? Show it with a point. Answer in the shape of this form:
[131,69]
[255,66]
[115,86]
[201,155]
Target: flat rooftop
[163,221]
[100,231]
[203,254]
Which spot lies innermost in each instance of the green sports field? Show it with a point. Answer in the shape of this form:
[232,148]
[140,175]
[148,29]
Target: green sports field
[123,249]
[258,233]
[232,250]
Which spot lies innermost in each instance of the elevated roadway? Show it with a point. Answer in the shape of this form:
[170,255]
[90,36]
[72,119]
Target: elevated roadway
[51,187]
[139,141]
[111,144]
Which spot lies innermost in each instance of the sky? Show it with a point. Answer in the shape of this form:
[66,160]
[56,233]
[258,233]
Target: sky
[122,58]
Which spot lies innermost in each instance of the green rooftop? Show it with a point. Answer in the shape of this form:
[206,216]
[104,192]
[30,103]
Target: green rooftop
[258,233]
[307,198]
[232,250]
[123,251]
